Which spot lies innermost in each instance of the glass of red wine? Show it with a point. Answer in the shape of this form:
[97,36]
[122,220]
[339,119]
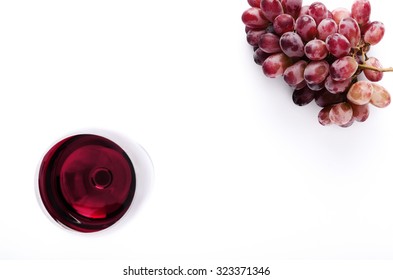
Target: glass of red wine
[87,182]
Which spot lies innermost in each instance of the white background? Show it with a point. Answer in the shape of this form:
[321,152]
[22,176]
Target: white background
[240,172]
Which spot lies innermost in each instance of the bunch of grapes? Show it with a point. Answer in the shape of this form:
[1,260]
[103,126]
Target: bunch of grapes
[320,54]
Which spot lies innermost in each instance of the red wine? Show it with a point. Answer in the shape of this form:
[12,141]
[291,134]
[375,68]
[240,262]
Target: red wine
[86,182]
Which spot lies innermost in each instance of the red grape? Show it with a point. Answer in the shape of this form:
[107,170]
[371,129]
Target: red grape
[271,9]
[340,13]
[361,10]
[306,27]
[254,3]
[316,49]
[253,36]
[371,75]
[343,68]
[292,7]
[351,30]
[323,116]
[294,74]
[303,96]
[253,17]
[269,43]
[318,11]
[360,93]
[283,23]
[338,45]
[341,113]
[275,65]
[260,56]
[360,112]
[316,72]
[380,96]
[326,27]
[374,32]
[291,44]
[337,87]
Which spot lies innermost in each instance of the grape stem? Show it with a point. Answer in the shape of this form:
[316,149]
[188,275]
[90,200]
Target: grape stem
[368,67]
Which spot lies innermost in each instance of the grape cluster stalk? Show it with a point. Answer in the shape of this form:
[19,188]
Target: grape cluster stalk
[321,55]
